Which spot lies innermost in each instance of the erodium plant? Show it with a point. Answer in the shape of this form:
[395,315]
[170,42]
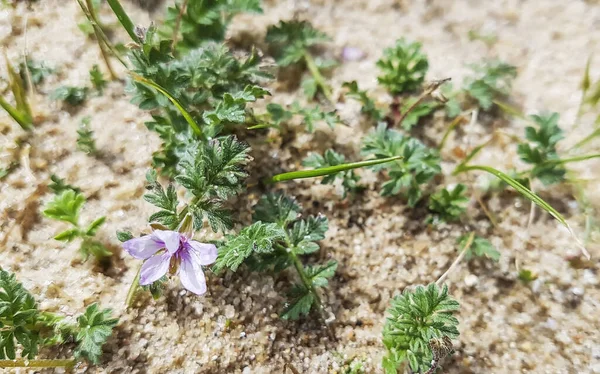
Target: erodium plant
[25,328]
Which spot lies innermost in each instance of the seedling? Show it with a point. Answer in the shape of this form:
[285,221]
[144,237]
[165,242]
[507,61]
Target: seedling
[276,240]
[25,328]
[58,185]
[420,329]
[403,67]
[448,205]
[490,81]
[97,79]
[85,137]
[71,95]
[369,107]
[480,247]
[21,111]
[66,207]
[417,167]
[291,43]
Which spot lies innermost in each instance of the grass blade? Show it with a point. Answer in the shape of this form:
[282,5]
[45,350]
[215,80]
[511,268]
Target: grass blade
[128,25]
[185,113]
[19,117]
[327,170]
[528,194]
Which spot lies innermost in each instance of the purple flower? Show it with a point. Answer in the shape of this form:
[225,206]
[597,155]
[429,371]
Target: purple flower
[164,250]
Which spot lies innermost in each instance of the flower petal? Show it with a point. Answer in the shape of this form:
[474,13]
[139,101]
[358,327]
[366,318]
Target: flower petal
[170,238]
[191,275]
[205,254]
[143,247]
[154,268]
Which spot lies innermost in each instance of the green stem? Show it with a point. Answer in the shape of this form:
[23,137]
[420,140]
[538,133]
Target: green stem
[25,363]
[133,288]
[188,117]
[99,39]
[116,7]
[428,91]
[175,36]
[317,76]
[587,139]
[449,130]
[19,117]
[327,170]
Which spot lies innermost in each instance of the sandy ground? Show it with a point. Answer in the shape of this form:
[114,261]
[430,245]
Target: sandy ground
[548,326]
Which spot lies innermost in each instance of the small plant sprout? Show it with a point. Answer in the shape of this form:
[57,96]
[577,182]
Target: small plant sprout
[97,79]
[480,247]
[418,165]
[85,137]
[420,329]
[278,116]
[25,328]
[448,205]
[276,240]
[291,43]
[58,185]
[66,207]
[35,71]
[490,81]
[71,95]
[403,67]
[541,151]
[331,158]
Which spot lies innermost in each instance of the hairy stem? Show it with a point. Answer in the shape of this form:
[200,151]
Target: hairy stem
[317,76]
[25,363]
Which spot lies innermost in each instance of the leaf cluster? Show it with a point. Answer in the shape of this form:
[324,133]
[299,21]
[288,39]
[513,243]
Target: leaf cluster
[23,324]
[348,178]
[403,67]
[541,149]
[290,41]
[203,21]
[85,137]
[416,317]
[448,205]
[66,207]
[276,239]
[407,175]
[310,116]
[71,95]
[490,80]
[480,247]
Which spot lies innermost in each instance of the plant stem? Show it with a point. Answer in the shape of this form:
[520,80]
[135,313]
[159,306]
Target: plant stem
[428,91]
[458,259]
[116,7]
[133,289]
[25,363]
[175,35]
[587,139]
[317,76]
[99,39]
[449,130]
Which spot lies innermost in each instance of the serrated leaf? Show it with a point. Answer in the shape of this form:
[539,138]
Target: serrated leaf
[276,208]
[257,238]
[94,226]
[403,67]
[309,229]
[301,302]
[65,207]
[319,274]
[95,327]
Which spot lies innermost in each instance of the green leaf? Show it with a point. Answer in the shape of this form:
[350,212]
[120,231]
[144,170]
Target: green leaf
[94,328]
[68,235]
[448,205]
[301,302]
[71,95]
[289,41]
[94,226]
[124,236]
[59,185]
[480,247]
[490,80]
[331,158]
[97,79]
[369,107]
[403,67]
[165,199]
[418,165]
[276,208]
[85,137]
[320,274]
[415,318]
[310,229]
[94,248]
[421,110]
[65,207]
[256,238]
